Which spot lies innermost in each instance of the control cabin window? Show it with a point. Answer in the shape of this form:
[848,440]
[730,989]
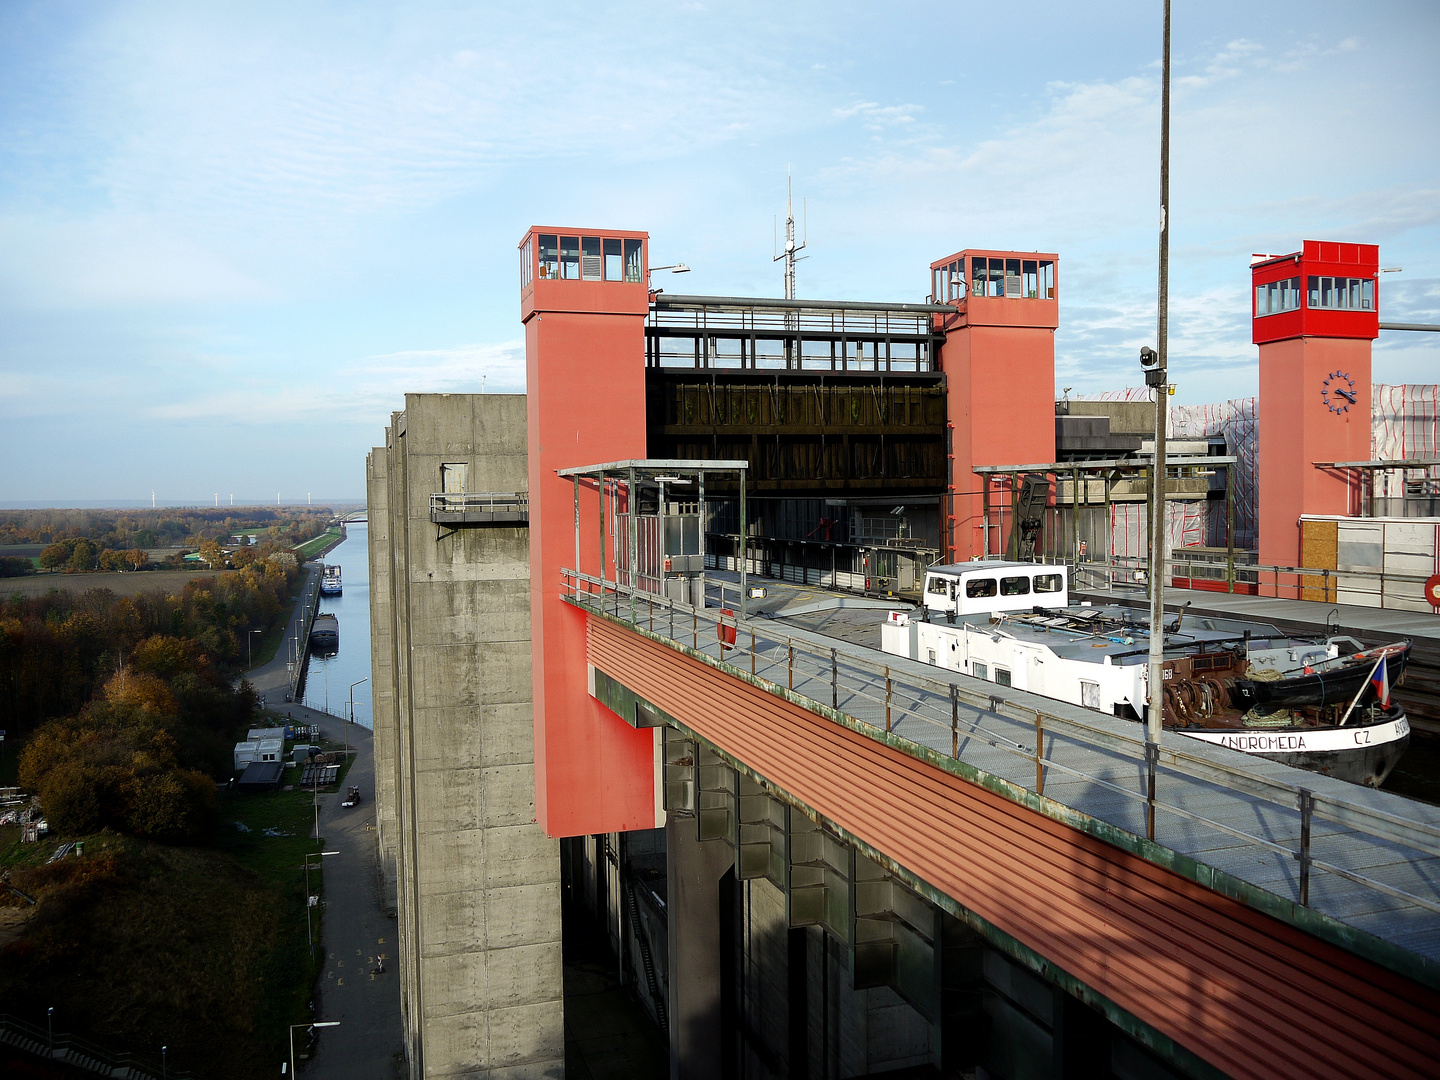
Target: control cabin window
[633,272]
[976,588]
[1015,586]
[1017,279]
[1049,582]
[527,252]
[570,258]
[590,258]
[1002,676]
[549,251]
[937,586]
[1277,296]
[1341,294]
[613,260]
[948,282]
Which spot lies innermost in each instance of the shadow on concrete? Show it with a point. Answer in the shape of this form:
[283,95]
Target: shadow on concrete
[608,1034]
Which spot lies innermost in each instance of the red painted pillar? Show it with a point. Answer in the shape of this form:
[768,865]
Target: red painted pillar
[1315,314]
[584,298]
[999,362]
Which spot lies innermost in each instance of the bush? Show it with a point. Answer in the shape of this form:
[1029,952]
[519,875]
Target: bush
[15,566]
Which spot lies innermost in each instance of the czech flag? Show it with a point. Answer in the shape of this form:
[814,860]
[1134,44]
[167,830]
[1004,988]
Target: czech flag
[1380,679]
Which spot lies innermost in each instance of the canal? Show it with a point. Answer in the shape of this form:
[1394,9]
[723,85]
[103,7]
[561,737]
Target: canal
[327,685]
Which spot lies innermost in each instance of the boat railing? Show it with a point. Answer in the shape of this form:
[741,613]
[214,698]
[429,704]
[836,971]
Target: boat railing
[859,685]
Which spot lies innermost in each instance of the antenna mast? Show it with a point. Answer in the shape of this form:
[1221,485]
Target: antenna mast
[791,248]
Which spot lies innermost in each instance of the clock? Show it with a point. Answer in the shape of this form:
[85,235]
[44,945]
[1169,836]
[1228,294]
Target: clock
[1338,391]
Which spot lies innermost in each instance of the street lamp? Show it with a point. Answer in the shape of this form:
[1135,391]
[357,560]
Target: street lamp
[309,936]
[50,1027]
[249,656]
[164,1064]
[352,712]
[317,1024]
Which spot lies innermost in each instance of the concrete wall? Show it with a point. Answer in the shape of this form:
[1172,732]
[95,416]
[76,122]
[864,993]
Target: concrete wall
[382,670]
[477,881]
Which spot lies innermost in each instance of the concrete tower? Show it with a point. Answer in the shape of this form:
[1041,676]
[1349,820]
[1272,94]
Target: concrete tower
[1315,314]
[999,362]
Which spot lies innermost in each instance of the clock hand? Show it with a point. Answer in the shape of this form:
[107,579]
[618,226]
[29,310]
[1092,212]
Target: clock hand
[1348,395]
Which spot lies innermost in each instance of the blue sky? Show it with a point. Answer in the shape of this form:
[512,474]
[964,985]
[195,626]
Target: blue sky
[232,236]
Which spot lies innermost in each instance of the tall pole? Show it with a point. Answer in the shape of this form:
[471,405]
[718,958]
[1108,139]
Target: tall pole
[1155,673]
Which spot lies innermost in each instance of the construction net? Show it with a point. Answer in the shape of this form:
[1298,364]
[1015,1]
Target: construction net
[1405,423]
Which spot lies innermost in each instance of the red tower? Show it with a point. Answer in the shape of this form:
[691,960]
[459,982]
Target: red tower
[999,362]
[583,299]
[1315,314]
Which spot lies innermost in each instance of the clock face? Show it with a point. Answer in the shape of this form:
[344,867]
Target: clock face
[1338,391]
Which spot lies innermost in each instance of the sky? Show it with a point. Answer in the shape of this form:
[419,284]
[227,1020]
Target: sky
[233,236]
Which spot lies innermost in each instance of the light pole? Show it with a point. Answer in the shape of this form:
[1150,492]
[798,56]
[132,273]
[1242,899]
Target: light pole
[164,1064]
[351,720]
[309,937]
[50,1028]
[317,1024]
[249,656]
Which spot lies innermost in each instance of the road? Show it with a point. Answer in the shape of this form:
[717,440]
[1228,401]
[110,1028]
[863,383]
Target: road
[359,986]
[272,680]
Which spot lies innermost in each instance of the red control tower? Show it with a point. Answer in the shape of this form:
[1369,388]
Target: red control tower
[1315,314]
[999,362]
[583,299]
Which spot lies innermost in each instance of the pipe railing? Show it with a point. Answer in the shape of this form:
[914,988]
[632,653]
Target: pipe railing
[489,501]
[827,675]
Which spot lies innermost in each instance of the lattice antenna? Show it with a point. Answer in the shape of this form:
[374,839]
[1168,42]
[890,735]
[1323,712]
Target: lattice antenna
[791,253]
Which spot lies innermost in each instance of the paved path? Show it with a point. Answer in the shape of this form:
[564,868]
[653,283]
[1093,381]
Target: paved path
[359,986]
[272,681]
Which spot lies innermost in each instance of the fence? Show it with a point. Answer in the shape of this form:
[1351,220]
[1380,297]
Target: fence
[947,712]
[82,1054]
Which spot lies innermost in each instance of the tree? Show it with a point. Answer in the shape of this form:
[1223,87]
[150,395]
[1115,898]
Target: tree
[54,556]
[82,558]
[211,552]
[138,558]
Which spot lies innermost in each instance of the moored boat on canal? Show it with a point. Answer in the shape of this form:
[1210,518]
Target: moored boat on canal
[1322,705]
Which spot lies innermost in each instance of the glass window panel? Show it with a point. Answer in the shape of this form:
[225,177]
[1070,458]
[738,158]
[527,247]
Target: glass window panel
[590,258]
[1260,305]
[633,269]
[1015,586]
[982,671]
[1012,278]
[1002,676]
[937,286]
[1312,286]
[976,588]
[549,255]
[978,276]
[1367,295]
[1047,279]
[570,257]
[1048,582]
[527,253]
[613,257]
[1031,286]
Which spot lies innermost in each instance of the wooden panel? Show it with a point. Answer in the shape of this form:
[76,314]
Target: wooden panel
[1318,544]
[1243,991]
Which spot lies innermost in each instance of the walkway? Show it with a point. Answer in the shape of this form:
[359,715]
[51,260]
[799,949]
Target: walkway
[273,681]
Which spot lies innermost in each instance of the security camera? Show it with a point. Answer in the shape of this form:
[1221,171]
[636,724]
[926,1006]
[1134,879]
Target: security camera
[1150,364]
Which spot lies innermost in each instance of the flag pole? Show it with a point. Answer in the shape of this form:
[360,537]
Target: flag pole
[1363,685]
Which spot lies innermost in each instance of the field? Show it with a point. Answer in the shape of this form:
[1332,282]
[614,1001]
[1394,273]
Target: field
[329,538]
[121,584]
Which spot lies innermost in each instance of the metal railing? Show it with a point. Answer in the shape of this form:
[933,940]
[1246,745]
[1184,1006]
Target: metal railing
[869,687]
[493,502]
[1256,579]
[82,1054]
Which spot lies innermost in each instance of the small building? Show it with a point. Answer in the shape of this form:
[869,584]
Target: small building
[261,776]
[256,733]
[262,751]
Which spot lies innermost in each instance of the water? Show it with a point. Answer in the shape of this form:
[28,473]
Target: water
[327,686]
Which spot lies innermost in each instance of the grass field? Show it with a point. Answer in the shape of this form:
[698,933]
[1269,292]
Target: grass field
[121,584]
[314,546]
